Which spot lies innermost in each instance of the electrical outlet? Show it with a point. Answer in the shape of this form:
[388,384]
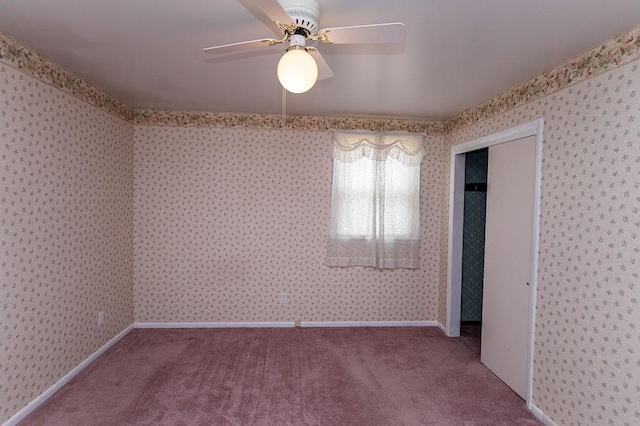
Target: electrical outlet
[101,318]
[296,323]
[283,298]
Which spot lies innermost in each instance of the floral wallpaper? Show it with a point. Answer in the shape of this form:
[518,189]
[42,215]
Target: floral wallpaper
[66,173]
[228,219]
[586,357]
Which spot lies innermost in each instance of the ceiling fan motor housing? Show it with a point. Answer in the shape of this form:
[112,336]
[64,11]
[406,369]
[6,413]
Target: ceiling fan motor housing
[305,13]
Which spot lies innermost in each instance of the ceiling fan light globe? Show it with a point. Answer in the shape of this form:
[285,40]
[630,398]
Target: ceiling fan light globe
[297,71]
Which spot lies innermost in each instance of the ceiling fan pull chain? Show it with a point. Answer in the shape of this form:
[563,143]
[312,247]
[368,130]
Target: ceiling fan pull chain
[283,118]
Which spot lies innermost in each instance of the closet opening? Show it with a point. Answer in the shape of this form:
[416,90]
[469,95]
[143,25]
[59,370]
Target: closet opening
[473,242]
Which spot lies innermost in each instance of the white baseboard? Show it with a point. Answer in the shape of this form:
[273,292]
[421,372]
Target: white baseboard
[368,323]
[286,324]
[441,327]
[40,399]
[213,324]
[541,416]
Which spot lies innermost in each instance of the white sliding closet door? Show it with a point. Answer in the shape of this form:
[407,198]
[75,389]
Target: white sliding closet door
[508,261]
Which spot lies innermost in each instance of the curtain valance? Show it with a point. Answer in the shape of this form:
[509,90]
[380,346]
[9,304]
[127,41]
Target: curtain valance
[407,148]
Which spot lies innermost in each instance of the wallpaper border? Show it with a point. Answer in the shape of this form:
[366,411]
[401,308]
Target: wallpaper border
[613,53]
[295,122]
[32,63]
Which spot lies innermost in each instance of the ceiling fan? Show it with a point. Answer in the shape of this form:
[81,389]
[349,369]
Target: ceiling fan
[297,21]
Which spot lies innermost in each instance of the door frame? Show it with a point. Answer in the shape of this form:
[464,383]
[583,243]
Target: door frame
[456,217]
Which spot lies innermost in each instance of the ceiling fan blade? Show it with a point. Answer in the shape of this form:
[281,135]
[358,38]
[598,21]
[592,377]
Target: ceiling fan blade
[324,70]
[392,32]
[275,12]
[234,47]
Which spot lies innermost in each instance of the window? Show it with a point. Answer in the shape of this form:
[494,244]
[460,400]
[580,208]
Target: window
[357,194]
[375,205]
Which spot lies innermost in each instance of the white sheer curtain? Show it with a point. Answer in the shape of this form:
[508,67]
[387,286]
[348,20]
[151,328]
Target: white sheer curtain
[375,204]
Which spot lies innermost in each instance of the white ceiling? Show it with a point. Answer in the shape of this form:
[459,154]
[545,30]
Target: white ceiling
[458,53]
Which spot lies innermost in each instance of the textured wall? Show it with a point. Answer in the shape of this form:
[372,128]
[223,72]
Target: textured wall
[65,234]
[227,219]
[587,339]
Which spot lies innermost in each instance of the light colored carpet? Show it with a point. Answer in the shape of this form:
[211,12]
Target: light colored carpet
[303,376]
